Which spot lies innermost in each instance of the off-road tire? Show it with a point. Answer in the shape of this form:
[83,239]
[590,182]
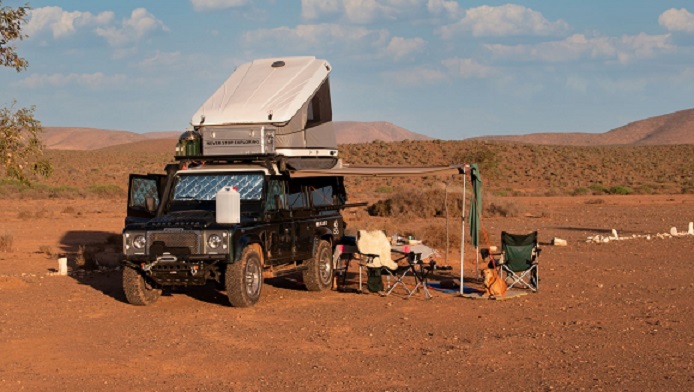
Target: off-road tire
[244,279]
[319,275]
[137,290]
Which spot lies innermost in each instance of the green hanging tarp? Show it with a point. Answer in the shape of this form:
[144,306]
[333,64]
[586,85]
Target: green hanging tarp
[475,205]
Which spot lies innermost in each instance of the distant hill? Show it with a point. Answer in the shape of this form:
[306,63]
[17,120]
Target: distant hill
[673,128]
[65,138]
[73,138]
[353,132]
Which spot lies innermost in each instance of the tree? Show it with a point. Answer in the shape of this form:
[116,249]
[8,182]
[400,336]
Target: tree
[21,150]
[11,20]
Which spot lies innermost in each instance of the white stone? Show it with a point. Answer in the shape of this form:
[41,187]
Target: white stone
[691,228]
[673,231]
[614,234]
[559,242]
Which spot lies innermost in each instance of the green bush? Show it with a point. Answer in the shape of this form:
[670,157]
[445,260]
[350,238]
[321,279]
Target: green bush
[621,190]
[598,189]
[580,191]
[105,190]
[645,190]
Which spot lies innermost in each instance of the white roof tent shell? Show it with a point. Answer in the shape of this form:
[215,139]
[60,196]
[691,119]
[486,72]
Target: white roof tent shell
[290,95]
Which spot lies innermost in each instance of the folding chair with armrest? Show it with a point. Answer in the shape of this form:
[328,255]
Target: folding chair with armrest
[519,260]
[375,253]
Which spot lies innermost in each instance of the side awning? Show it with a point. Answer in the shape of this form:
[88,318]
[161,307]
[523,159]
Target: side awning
[380,171]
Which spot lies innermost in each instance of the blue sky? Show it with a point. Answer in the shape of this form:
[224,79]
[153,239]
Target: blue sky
[448,69]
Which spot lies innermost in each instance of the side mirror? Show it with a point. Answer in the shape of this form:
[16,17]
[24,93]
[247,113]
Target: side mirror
[151,204]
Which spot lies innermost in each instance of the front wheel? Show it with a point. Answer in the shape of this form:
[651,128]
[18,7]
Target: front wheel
[319,275]
[138,291]
[244,279]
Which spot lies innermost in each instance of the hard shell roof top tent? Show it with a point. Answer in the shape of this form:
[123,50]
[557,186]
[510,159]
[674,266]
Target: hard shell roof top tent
[276,106]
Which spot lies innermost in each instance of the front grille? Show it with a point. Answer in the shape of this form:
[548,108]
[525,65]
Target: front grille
[176,243]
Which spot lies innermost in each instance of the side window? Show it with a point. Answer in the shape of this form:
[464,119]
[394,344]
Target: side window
[275,196]
[141,189]
[322,195]
[296,197]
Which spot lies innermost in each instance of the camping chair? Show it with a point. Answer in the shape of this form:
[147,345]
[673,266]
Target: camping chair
[374,250]
[519,260]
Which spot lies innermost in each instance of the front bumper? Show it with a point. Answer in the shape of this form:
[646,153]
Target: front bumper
[168,270]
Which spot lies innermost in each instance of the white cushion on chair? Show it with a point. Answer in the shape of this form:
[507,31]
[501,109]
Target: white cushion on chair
[376,243]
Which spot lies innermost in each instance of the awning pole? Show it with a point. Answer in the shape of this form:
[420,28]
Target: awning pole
[462,237]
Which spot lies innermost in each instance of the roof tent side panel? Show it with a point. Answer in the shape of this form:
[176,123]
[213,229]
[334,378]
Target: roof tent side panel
[265,91]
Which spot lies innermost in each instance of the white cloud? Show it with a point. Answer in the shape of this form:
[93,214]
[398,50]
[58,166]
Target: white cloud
[161,59]
[96,80]
[505,20]
[399,47]
[318,35]
[364,11]
[468,68]
[623,49]
[313,9]
[359,11]
[209,5]
[677,20]
[437,7]
[62,23]
[140,23]
[416,76]
[454,68]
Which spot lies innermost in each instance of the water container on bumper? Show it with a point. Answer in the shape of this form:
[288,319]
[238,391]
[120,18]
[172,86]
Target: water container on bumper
[228,205]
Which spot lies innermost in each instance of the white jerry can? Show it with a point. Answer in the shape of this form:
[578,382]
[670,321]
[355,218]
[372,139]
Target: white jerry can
[228,205]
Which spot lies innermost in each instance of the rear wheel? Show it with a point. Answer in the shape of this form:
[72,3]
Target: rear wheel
[319,275]
[244,279]
[138,291]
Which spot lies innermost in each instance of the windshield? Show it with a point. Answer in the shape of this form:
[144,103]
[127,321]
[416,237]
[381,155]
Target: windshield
[206,186]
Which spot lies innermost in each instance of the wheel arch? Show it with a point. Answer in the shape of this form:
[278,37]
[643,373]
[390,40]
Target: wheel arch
[250,240]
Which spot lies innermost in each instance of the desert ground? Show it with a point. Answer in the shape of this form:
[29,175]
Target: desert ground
[613,316]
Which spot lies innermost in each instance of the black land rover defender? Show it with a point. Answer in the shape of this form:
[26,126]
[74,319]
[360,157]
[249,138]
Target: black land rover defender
[174,238]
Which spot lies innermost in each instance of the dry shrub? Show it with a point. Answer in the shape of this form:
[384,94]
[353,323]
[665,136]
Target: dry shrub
[46,249]
[411,203]
[25,215]
[42,213]
[595,201]
[68,210]
[106,190]
[507,209]
[434,235]
[6,242]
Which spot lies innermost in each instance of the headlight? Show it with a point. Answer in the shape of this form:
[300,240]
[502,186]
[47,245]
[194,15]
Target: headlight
[139,241]
[214,241]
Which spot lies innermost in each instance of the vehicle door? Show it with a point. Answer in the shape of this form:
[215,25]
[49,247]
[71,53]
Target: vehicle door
[144,196]
[304,225]
[280,233]
[324,199]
